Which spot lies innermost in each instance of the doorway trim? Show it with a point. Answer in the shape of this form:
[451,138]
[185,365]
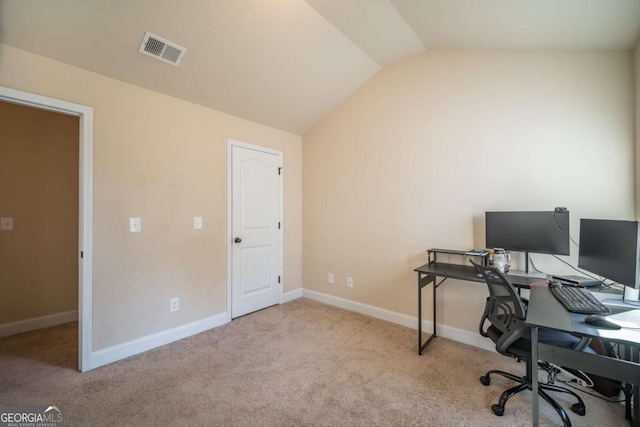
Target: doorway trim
[85,214]
[230,144]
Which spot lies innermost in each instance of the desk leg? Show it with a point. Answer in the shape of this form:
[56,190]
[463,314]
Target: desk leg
[636,390]
[628,388]
[434,286]
[422,282]
[630,353]
[534,375]
[419,315]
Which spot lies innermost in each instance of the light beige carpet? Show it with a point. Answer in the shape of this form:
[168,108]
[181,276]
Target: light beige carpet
[298,364]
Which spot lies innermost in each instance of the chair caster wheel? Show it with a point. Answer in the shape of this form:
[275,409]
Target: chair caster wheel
[485,380]
[497,409]
[578,408]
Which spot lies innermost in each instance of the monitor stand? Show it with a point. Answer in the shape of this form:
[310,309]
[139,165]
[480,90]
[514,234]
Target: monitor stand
[526,272]
[631,296]
[619,301]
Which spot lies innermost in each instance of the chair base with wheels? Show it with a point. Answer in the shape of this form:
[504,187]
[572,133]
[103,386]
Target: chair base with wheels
[524,383]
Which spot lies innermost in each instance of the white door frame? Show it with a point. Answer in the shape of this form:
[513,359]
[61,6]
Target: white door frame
[231,143]
[85,226]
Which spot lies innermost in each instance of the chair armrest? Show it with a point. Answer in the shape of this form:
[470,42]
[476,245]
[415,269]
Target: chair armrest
[487,310]
[507,339]
[584,342]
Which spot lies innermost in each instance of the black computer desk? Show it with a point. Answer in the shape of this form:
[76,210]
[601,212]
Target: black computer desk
[544,311]
[429,274]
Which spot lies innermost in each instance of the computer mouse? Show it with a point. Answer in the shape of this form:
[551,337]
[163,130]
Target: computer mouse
[600,322]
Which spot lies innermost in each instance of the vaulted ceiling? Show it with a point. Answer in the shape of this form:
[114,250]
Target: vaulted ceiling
[287,63]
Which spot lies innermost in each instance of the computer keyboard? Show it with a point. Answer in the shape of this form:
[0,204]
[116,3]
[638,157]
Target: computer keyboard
[578,300]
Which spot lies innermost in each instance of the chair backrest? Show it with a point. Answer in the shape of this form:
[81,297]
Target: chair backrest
[505,310]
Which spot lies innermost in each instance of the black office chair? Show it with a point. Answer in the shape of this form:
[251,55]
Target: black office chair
[506,311]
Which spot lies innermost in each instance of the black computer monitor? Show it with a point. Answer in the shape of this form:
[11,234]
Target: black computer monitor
[545,232]
[609,248]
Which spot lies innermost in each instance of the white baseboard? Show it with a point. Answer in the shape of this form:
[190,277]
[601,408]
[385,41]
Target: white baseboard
[444,331]
[140,345]
[36,323]
[291,295]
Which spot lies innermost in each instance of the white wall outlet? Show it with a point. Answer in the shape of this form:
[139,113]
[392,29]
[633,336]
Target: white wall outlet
[349,282]
[197,223]
[135,225]
[6,223]
[174,304]
[330,278]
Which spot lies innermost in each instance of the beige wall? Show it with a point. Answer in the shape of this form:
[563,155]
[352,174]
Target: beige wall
[164,160]
[637,125]
[414,158]
[39,189]
[410,161]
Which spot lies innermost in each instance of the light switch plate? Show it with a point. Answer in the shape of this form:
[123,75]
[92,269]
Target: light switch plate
[135,225]
[6,223]
[197,222]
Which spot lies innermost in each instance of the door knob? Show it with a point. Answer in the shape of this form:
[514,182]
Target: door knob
[237,240]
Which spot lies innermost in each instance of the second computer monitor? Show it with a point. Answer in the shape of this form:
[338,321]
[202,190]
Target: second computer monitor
[610,249]
[544,232]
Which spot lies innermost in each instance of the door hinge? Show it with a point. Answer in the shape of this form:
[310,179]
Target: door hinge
[81,254]
[279,171]
[278,279]
[278,226]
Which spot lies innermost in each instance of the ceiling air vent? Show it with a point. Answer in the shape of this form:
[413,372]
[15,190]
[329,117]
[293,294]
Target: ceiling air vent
[162,49]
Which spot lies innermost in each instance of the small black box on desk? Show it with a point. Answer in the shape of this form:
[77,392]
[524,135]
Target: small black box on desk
[577,281]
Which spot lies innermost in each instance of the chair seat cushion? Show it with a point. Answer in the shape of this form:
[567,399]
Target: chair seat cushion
[522,347]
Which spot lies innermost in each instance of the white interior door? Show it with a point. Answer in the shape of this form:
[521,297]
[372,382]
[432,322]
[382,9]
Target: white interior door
[256,280]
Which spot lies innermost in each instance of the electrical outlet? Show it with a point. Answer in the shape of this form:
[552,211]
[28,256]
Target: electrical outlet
[6,223]
[135,225]
[330,278]
[197,222]
[174,304]
[349,282]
